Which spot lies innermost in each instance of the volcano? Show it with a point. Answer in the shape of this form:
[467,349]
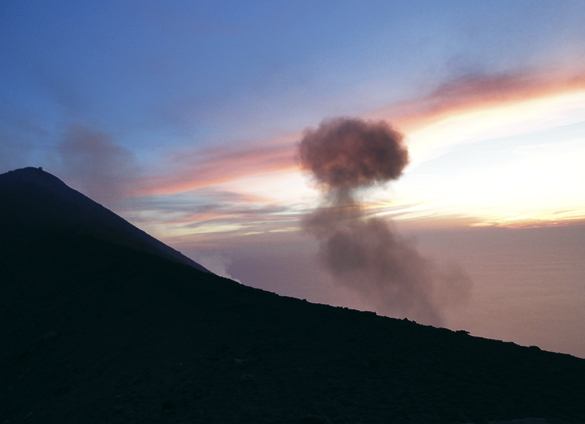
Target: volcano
[37,205]
[99,322]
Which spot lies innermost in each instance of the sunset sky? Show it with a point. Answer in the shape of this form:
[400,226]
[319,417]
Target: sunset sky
[184,116]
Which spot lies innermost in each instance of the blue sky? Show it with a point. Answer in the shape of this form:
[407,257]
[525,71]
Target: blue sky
[175,73]
[162,75]
[184,116]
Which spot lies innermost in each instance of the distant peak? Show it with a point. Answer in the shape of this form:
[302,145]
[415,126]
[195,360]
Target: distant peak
[36,202]
[28,171]
[31,175]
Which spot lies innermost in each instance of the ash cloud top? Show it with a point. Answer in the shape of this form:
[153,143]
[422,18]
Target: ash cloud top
[348,153]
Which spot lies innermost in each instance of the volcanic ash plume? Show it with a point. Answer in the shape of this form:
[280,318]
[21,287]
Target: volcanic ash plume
[365,254]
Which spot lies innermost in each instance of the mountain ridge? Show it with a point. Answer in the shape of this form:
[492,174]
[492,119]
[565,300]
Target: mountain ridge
[96,331]
[37,201]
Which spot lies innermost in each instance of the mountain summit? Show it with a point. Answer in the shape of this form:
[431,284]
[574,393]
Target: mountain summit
[37,205]
[100,323]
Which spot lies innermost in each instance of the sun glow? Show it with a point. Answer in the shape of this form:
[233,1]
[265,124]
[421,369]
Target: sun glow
[538,176]
[516,163]
[495,122]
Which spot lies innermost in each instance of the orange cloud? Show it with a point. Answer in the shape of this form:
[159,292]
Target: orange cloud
[195,170]
[478,92]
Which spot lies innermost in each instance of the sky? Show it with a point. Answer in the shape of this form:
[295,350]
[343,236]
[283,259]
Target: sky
[185,117]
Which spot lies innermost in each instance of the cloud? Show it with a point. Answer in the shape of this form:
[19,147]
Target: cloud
[191,171]
[241,166]
[202,214]
[478,90]
[186,170]
[344,156]
[348,153]
[101,169]
[217,263]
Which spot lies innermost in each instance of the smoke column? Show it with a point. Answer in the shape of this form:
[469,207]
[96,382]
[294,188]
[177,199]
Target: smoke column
[345,156]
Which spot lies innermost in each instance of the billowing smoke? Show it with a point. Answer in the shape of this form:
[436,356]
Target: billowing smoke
[366,254]
[346,154]
[96,165]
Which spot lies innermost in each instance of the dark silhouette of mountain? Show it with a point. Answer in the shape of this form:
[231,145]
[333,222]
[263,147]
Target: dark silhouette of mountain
[93,330]
[36,203]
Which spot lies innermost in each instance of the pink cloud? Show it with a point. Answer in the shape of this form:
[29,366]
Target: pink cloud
[480,91]
[195,170]
[190,170]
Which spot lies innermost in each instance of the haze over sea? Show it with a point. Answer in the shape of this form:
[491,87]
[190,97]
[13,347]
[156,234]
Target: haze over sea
[528,284]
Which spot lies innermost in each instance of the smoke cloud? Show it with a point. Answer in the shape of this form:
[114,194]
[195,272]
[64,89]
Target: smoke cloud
[99,168]
[345,156]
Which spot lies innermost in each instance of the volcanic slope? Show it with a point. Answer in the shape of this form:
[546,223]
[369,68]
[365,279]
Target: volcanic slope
[96,331]
[35,203]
